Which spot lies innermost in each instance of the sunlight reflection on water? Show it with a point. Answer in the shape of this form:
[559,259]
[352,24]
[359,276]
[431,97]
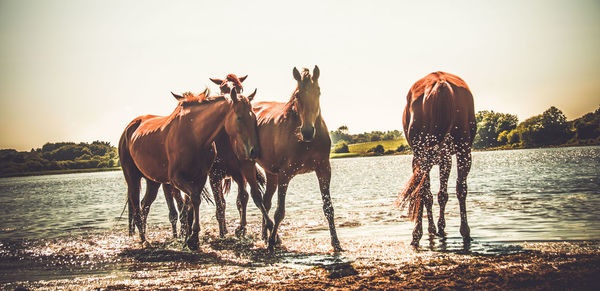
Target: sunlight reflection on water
[519,195]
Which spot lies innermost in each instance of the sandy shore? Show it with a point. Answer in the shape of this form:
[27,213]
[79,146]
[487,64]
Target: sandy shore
[117,262]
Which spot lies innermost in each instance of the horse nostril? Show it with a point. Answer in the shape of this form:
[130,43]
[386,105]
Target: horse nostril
[308,133]
[253,153]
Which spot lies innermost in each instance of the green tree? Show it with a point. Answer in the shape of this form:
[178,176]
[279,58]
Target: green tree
[489,126]
[341,147]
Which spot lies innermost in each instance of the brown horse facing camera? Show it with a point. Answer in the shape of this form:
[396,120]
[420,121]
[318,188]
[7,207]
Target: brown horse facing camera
[227,164]
[178,149]
[294,140]
[439,121]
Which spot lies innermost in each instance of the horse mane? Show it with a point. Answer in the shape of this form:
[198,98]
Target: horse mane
[190,99]
[290,107]
[233,78]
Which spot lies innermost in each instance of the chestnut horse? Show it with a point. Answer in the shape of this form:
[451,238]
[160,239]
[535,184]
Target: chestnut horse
[178,149]
[293,140]
[439,121]
[227,164]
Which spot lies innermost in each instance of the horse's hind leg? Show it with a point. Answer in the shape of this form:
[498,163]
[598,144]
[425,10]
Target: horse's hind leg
[133,194]
[422,165]
[149,197]
[445,167]
[463,161]
[216,177]
[272,181]
[428,201]
[131,224]
[168,191]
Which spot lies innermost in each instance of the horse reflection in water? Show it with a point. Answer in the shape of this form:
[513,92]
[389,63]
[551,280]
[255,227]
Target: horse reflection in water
[294,139]
[178,150]
[439,121]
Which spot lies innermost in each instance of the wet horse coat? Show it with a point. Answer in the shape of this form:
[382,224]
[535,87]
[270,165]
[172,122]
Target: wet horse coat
[227,164]
[294,139]
[178,149]
[439,121]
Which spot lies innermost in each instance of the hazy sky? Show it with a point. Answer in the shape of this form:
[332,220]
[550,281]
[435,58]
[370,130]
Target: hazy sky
[81,70]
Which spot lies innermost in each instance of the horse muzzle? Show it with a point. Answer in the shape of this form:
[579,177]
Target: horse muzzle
[308,133]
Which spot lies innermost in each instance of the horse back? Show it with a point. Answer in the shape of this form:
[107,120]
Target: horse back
[437,105]
[142,144]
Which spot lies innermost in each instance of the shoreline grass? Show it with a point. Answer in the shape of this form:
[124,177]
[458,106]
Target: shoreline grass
[58,172]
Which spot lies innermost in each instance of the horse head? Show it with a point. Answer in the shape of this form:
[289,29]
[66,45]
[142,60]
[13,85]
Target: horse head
[240,125]
[307,101]
[230,81]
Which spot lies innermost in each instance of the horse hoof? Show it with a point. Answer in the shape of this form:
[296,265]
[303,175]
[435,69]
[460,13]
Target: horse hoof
[432,230]
[337,249]
[414,243]
[192,244]
[145,244]
[240,232]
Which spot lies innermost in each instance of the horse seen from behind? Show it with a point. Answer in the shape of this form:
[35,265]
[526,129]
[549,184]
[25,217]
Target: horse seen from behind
[439,121]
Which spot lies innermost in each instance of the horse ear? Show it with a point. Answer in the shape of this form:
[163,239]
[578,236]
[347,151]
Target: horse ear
[243,78]
[316,73]
[178,97]
[233,95]
[205,93]
[251,96]
[297,75]
[216,81]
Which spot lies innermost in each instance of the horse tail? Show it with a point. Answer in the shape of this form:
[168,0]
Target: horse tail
[411,194]
[226,185]
[204,194]
[261,180]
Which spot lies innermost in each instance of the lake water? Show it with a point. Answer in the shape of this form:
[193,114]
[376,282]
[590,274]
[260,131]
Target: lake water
[514,196]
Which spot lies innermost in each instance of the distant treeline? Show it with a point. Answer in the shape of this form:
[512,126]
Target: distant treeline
[550,128]
[341,134]
[501,130]
[59,156]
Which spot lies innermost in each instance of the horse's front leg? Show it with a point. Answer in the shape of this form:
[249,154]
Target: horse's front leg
[272,181]
[280,211]
[216,178]
[194,187]
[323,171]
[241,203]
[249,175]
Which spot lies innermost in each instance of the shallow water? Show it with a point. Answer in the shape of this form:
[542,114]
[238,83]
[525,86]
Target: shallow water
[67,226]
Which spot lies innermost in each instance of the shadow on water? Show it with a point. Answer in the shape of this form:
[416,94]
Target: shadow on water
[477,246]
[245,254]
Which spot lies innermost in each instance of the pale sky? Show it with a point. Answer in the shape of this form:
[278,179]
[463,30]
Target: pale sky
[81,70]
